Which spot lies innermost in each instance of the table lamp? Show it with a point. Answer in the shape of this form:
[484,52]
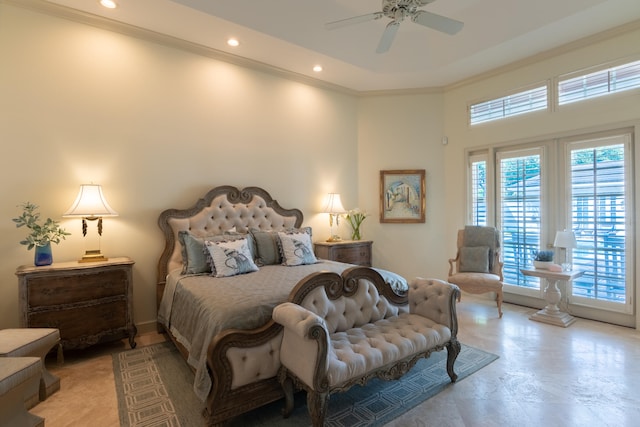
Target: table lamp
[565,240]
[334,209]
[90,205]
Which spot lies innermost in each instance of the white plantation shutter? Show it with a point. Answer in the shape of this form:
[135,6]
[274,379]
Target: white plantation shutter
[511,105]
[603,82]
[519,207]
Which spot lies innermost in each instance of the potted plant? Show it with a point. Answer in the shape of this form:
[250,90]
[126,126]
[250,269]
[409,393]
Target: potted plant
[543,259]
[41,235]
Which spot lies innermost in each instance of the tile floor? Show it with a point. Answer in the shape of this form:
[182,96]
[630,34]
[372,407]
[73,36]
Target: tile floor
[585,375]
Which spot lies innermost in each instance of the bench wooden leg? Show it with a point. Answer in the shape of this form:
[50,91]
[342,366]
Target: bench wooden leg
[287,387]
[317,404]
[453,349]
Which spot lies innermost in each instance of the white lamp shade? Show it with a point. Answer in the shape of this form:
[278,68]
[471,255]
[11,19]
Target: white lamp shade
[90,203]
[565,239]
[334,204]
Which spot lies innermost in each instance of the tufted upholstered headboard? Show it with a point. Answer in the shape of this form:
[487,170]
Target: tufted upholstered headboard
[221,209]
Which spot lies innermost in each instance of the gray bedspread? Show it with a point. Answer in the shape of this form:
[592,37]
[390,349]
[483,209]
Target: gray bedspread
[197,307]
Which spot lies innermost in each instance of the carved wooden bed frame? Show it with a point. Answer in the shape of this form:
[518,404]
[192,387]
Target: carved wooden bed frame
[223,401]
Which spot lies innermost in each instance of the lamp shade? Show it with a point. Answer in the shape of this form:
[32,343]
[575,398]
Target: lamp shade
[334,204]
[565,239]
[90,203]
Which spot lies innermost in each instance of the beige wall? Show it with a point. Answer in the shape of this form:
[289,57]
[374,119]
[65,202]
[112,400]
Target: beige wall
[156,127]
[404,132]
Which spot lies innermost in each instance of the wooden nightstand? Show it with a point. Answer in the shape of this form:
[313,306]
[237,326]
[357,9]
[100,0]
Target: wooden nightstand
[89,303]
[349,251]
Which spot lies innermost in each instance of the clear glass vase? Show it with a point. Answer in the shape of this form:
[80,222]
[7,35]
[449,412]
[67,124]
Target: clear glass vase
[355,234]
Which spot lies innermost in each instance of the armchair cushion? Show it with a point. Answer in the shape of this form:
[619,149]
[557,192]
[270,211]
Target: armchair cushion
[474,259]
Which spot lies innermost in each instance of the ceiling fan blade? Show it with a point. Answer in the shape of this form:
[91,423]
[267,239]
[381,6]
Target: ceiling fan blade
[354,20]
[388,36]
[437,22]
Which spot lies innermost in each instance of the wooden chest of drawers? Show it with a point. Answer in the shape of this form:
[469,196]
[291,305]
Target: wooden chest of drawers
[349,251]
[89,303]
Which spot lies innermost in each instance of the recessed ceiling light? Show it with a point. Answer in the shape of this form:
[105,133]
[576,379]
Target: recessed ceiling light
[109,4]
[317,68]
[233,42]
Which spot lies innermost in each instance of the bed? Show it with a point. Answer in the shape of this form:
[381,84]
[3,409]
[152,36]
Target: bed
[222,325]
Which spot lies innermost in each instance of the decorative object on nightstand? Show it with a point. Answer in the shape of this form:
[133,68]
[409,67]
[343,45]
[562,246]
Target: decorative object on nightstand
[41,235]
[90,205]
[89,303]
[351,252]
[565,240]
[355,217]
[334,208]
[542,259]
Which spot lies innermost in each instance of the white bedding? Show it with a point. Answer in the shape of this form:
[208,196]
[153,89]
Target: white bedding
[197,307]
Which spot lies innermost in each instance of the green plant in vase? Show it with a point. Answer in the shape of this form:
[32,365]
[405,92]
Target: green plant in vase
[355,218]
[41,235]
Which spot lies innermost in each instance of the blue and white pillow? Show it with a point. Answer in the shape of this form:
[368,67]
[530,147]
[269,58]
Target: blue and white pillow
[230,258]
[296,248]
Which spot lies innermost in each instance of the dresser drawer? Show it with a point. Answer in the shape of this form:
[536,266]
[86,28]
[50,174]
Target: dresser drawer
[63,289]
[351,252]
[352,255]
[72,321]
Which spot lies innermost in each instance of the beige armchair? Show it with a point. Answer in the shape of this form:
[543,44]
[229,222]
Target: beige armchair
[477,267]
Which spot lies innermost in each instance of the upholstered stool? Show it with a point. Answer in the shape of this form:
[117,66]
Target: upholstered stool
[33,342]
[18,375]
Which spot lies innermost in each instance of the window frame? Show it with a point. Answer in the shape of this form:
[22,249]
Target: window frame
[546,84]
[608,66]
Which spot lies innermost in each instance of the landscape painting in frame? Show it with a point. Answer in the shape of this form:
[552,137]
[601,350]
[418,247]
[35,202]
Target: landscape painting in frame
[402,196]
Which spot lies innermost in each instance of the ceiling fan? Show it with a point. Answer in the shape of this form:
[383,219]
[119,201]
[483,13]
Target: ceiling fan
[398,10]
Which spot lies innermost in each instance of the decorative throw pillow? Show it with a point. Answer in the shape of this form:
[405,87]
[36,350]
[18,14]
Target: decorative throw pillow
[267,252]
[194,257]
[474,259]
[296,248]
[230,257]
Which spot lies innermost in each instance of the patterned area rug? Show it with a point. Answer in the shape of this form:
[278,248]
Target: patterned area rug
[154,389]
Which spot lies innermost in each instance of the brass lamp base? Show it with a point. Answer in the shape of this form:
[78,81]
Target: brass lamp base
[334,238]
[93,256]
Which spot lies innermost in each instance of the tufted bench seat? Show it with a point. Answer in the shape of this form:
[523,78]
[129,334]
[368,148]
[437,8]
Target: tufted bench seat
[18,375]
[350,328]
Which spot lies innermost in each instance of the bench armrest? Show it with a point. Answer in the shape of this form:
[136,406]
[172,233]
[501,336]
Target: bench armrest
[436,300]
[305,341]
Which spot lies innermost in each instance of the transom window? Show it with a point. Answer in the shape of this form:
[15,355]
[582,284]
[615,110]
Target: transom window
[511,105]
[603,82]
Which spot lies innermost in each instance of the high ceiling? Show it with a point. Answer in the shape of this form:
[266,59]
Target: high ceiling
[290,34]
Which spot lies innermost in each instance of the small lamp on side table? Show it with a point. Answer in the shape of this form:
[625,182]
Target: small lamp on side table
[334,208]
[565,240]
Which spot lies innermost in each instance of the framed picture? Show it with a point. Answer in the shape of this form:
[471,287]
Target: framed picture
[402,196]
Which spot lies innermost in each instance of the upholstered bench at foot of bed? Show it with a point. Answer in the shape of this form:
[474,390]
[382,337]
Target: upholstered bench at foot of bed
[333,342]
[18,375]
[33,342]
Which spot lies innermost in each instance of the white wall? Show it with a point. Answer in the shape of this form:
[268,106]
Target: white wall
[156,127]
